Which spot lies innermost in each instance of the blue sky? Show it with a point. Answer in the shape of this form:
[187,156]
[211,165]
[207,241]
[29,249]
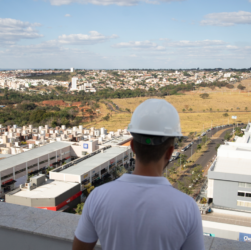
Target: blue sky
[125,34]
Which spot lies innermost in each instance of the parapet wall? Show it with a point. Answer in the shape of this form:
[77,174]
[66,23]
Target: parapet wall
[40,229]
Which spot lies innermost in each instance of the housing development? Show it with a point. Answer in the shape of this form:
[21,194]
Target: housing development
[93,80]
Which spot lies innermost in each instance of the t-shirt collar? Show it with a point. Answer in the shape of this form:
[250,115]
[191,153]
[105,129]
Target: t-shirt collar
[144,179]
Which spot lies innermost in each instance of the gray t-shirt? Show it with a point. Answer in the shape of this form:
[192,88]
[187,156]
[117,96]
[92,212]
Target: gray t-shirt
[139,212]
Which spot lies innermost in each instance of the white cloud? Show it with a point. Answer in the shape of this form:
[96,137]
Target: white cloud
[185,43]
[139,45]
[227,18]
[81,39]
[49,54]
[109,2]
[67,15]
[12,30]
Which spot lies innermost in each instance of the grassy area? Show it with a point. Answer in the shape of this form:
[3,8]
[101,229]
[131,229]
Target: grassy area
[200,117]
[59,77]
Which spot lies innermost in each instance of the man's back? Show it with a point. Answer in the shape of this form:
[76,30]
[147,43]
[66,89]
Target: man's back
[139,212]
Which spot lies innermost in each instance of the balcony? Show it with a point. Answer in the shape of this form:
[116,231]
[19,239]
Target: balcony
[25,228]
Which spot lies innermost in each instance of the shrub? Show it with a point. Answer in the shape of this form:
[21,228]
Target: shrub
[204,95]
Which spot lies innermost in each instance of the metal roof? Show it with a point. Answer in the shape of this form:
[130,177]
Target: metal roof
[50,190]
[32,154]
[233,165]
[94,161]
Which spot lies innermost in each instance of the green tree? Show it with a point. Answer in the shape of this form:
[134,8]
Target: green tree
[217,146]
[183,159]
[199,147]
[227,136]
[204,95]
[241,87]
[79,208]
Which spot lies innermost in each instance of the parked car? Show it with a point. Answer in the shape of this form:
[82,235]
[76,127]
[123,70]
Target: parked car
[1,200]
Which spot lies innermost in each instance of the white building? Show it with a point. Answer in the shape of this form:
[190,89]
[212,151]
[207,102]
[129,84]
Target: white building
[74,83]
[72,69]
[227,75]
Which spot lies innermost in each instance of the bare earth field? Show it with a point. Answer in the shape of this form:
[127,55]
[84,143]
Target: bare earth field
[204,111]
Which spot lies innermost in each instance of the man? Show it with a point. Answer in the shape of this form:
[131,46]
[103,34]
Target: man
[142,210]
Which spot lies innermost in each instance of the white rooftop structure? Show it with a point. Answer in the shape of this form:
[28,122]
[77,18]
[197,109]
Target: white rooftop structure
[31,154]
[50,190]
[95,161]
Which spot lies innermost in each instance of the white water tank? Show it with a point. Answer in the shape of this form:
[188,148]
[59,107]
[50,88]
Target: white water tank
[1,125]
[63,127]
[81,128]
[74,128]
[31,146]
[14,126]
[13,151]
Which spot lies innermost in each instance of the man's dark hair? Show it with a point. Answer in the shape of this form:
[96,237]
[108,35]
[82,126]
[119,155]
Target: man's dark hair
[151,153]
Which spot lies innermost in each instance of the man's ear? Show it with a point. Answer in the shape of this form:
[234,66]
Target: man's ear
[132,146]
[169,153]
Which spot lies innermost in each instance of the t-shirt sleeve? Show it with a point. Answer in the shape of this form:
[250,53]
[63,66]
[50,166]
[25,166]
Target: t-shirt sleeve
[194,240]
[85,231]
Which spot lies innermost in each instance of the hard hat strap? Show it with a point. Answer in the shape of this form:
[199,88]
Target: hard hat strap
[149,139]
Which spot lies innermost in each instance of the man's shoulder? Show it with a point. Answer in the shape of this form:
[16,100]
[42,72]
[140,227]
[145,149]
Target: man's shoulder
[182,197]
[105,187]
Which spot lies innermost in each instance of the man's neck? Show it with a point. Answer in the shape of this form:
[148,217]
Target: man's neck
[151,169]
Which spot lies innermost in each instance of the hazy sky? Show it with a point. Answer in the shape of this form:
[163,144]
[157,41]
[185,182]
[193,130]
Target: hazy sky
[125,33]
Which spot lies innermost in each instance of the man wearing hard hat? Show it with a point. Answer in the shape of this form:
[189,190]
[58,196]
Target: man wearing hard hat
[142,210]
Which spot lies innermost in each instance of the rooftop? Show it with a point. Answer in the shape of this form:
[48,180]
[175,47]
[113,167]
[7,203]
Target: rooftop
[50,189]
[233,165]
[119,140]
[31,154]
[94,161]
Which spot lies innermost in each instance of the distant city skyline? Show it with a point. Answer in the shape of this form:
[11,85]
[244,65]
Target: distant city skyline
[123,34]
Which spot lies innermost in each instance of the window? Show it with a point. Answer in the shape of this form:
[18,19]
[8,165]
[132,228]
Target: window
[248,194]
[241,194]
[245,185]
[52,158]
[6,176]
[243,204]
[20,171]
[43,161]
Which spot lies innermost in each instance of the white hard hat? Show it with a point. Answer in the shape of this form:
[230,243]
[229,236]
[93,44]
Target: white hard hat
[155,117]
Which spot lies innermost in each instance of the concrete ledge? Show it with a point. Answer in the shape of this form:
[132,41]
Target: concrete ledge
[34,228]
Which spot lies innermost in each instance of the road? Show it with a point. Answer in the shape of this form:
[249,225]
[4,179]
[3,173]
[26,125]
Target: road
[207,155]
[189,152]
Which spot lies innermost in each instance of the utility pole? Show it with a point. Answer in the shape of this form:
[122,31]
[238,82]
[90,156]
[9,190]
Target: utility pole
[191,151]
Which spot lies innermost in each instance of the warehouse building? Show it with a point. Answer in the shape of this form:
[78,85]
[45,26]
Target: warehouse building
[46,194]
[14,170]
[93,167]
[229,177]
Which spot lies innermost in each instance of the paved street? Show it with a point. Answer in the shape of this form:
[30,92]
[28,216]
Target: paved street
[207,155]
